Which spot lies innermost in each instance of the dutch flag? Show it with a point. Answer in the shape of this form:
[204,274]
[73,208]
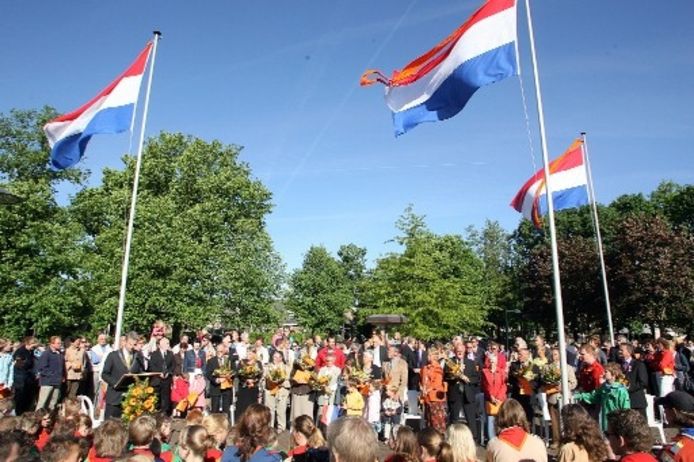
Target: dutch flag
[438,84]
[111,111]
[568,180]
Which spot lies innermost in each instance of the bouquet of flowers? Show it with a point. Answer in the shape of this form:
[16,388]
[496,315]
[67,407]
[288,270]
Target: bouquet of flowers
[551,374]
[248,373]
[362,379]
[306,363]
[277,374]
[525,375]
[226,374]
[319,383]
[527,371]
[455,372]
[274,378]
[139,399]
[359,375]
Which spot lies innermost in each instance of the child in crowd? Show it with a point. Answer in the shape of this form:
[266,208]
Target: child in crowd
[29,424]
[196,390]
[164,431]
[392,410]
[629,436]
[218,427]
[194,444]
[46,420]
[611,395]
[6,406]
[179,394]
[84,427]
[62,449]
[308,441]
[142,432]
[353,402]
[110,439]
[194,417]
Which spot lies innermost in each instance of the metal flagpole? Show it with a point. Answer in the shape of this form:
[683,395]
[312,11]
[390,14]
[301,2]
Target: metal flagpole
[133,202]
[598,237]
[558,304]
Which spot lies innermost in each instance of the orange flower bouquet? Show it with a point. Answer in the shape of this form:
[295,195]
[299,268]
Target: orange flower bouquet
[139,399]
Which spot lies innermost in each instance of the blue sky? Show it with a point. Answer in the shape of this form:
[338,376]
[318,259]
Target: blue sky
[281,79]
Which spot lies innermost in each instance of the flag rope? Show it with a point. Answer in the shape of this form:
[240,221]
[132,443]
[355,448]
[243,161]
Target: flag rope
[527,118]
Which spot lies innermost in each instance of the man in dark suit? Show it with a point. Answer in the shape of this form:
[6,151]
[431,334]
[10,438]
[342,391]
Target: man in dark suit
[472,389]
[379,350]
[25,384]
[220,394]
[162,360]
[636,374]
[408,354]
[462,391]
[118,363]
[456,386]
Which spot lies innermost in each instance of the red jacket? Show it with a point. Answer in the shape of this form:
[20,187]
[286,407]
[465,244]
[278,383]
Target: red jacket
[339,357]
[638,457]
[665,362]
[494,384]
[589,376]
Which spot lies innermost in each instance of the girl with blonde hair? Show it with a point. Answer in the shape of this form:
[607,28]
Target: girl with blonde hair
[308,440]
[459,437]
[218,427]
[194,442]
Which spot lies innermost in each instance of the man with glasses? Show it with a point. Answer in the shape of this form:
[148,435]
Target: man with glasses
[118,363]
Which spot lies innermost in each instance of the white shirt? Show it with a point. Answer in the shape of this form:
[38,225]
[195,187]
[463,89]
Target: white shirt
[263,354]
[241,350]
[99,353]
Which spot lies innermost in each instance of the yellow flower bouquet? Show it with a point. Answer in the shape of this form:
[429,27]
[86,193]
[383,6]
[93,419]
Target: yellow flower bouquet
[139,399]
[306,363]
[226,374]
[249,373]
[276,375]
[319,383]
[455,372]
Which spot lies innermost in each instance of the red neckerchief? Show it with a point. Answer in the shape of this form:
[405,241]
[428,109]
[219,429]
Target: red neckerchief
[514,436]
[92,457]
[298,450]
[213,455]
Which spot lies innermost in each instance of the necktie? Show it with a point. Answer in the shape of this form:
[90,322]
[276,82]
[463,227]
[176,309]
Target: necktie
[127,359]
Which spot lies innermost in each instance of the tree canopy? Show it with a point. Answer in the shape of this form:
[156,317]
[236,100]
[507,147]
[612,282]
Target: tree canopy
[202,255]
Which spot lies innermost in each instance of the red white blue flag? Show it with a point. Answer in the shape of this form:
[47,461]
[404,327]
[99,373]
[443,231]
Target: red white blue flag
[438,84]
[568,180]
[111,111]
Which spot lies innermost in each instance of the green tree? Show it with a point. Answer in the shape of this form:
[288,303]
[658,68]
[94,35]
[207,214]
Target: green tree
[652,269]
[492,244]
[200,249]
[39,289]
[320,292]
[436,282]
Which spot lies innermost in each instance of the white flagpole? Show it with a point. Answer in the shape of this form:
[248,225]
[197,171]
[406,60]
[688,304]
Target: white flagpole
[598,237]
[133,202]
[558,304]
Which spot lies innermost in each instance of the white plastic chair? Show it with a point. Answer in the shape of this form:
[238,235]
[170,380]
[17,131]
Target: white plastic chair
[652,421]
[540,404]
[87,407]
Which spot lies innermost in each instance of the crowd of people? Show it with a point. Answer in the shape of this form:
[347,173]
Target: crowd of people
[458,394]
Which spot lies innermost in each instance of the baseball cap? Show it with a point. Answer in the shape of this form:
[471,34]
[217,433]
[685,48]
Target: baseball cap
[679,400]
